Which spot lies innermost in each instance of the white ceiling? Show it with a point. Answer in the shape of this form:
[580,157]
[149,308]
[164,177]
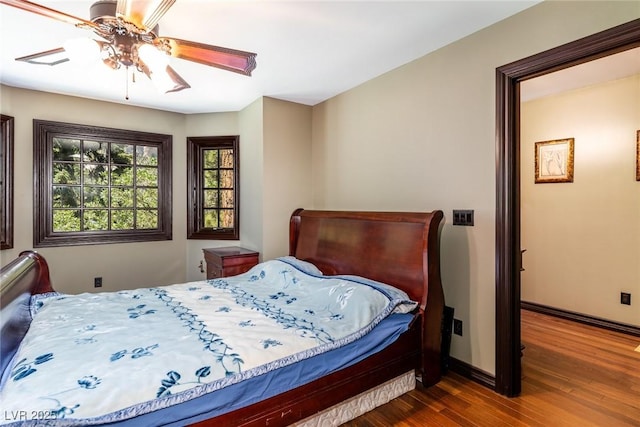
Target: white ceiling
[608,68]
[308,51]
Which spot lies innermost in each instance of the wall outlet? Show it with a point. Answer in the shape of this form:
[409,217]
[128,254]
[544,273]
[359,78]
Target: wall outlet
[457,327]
[97,282]
[625,298]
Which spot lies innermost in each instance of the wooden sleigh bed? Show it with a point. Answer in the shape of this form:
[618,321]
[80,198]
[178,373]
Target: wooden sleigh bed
[397,248]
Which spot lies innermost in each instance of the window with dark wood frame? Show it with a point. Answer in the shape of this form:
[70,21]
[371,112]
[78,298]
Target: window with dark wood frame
[96,185]
[6,182]
[213,196]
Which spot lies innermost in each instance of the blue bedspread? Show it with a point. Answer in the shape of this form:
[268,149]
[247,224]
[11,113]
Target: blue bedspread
[113,356]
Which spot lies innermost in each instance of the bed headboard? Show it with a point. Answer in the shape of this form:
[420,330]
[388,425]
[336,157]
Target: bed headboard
[398,248]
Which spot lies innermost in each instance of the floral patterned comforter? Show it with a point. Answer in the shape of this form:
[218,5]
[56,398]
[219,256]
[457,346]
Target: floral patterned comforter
[111,356]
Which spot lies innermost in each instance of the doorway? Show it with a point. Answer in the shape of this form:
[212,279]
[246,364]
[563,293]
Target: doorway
[508,245]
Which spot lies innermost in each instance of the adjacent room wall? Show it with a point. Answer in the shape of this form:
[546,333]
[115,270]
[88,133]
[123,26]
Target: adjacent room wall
[422,137]
[583,238]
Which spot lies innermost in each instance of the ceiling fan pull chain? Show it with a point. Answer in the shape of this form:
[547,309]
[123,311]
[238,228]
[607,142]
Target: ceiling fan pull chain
[126,79]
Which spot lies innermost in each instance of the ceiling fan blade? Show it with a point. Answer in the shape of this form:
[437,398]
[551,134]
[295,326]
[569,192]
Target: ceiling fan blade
[178,82]
[165,79]
[143,13]
[237,61]
[49,13]
[55,57]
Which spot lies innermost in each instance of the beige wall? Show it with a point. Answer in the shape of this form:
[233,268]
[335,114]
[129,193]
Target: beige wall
[287,170]
[122,266]
[422,137]
[583,238]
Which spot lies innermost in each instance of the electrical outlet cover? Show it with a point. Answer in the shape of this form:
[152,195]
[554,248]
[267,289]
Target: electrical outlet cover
[457,327]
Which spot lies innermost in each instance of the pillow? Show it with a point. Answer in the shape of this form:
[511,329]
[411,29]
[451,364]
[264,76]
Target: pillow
[304,266]
[404,303]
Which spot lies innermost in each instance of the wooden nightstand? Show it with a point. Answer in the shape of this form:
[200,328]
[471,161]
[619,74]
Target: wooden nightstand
[229,261]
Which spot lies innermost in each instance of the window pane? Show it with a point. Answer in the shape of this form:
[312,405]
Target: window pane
[66,173]
[95,152]
[122,197]
[121,175]
[146,198]
[147,177]
[210,218]
[121,219]
[122,154]
[147,219]
[210,199]
[66,196]
[211,179]
[95,174]
[146,155]
[66,220]
[226,158]
[96,219]
[226,198]
[210,159]
[66,149]
[226,219]
[226,179]
[96,197]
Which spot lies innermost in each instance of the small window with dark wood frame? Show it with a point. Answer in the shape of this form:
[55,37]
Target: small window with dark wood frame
[96,185]
[213,197]
[6,182]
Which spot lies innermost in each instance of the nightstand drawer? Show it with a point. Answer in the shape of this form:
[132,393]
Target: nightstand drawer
[229,261]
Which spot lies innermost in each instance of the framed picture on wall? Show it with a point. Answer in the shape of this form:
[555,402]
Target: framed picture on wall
[638,155]
[554,161]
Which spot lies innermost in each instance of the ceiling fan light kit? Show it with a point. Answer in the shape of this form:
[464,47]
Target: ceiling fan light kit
[82,50]
[127,33]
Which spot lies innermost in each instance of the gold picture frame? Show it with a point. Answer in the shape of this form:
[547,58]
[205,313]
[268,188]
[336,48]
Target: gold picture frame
[638,155]
[554,161]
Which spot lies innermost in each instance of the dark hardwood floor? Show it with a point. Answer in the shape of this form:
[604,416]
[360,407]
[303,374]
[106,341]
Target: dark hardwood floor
[573,375]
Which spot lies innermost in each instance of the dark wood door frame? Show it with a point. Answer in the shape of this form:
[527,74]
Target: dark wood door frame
[508,256]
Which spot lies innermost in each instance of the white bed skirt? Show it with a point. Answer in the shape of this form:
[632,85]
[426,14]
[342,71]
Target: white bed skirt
[362,403]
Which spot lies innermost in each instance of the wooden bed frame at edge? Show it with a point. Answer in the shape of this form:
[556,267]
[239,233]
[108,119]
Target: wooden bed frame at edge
[398,248]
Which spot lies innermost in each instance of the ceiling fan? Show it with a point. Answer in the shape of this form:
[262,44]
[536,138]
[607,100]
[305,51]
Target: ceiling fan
[128,36]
